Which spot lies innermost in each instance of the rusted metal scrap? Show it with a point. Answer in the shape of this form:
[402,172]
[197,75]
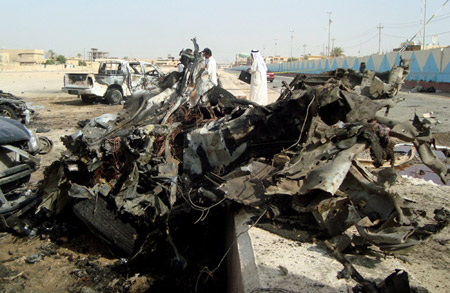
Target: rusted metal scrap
[191,147]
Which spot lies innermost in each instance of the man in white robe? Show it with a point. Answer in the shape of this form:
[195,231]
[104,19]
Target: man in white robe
[258,85]
[211,66]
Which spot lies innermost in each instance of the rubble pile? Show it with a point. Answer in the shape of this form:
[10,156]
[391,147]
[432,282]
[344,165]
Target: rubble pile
[187,148]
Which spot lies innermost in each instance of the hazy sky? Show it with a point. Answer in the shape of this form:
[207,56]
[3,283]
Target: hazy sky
[150,29]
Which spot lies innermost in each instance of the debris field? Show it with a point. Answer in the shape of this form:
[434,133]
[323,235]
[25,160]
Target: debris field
[158,181]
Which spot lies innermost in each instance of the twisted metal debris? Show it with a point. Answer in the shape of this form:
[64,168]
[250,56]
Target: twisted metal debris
[189,147]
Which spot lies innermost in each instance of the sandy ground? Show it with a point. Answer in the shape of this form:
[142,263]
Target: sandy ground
[59,113]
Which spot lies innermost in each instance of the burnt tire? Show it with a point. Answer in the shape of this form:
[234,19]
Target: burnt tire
[88,99]
[8,112]
[106,224]
[113,96]
[46,145]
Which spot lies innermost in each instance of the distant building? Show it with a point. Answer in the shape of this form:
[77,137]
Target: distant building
[275,59]
[170,61]
[312,57]
[23,56]
[95,54]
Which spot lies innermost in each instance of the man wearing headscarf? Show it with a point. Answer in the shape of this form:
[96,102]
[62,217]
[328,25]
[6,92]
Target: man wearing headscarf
[258,85]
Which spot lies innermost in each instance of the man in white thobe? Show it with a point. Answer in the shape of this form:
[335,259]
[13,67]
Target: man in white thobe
[258,85]
[211,66]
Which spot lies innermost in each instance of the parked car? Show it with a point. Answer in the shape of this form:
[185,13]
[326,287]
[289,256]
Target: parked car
[115,79]
[270,76]
[18,149]
[15,108]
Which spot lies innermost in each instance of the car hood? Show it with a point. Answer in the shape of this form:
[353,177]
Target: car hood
[12,131]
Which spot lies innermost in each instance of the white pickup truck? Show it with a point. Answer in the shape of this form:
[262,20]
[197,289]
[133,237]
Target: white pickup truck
[115,79]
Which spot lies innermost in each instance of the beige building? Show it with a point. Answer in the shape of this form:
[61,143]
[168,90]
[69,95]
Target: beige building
[23,56]
[312,57]
[170,61]
[275,59]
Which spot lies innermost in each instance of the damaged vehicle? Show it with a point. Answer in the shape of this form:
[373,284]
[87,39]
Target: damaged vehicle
[15,108]
[179,153]
[115,80]
[18,149]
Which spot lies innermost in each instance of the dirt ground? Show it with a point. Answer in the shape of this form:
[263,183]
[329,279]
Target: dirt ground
[67,259]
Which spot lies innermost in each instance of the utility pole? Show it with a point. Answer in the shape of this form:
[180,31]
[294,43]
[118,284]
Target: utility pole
[275,55]
[292,37]
[332,46]
[329,27]
[424,23]
[304,50]
[379,27]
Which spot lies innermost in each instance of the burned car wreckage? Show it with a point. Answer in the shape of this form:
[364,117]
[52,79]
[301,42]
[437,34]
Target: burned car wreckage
[188,148]
[15,108]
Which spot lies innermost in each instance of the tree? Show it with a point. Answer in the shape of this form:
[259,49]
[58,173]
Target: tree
[79,55]
[50,54]
[60,59]
[337,51]
[290,59]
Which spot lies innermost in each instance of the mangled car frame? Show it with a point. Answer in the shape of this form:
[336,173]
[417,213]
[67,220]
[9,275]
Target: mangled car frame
[189,147]
[15,108]
[115,79]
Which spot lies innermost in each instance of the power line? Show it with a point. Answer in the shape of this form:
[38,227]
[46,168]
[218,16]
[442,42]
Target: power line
[442,6]
[361,43]
[438,34]
[405,37]
[360,35]
[399,37]
[416,22]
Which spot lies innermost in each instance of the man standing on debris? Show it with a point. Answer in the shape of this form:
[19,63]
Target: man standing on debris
[258,85]
[210,65]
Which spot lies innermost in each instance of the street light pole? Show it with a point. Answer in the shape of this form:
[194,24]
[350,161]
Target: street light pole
[424,23]
[292,37]
[332,46]
[379,27]
[275,55]
[329,30]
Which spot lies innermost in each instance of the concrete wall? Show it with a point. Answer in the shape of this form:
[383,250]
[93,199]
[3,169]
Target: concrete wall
[427,65]
[17,67]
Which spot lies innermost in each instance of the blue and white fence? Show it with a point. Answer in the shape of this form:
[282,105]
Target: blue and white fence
[427,65]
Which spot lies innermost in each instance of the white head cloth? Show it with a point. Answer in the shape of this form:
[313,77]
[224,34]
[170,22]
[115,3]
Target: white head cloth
[258,58]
